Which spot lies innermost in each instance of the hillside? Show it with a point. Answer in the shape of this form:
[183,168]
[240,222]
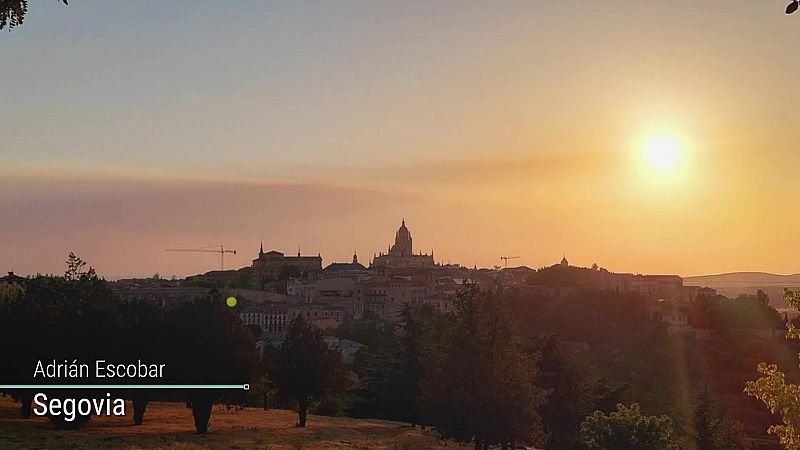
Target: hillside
[736,283]
[169,426]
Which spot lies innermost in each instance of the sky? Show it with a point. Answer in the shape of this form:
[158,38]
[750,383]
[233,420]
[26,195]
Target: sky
[646,137]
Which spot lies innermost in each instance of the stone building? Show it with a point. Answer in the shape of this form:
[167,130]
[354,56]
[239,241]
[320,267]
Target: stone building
[271,264]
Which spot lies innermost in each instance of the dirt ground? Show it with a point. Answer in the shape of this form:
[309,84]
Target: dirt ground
[170,426]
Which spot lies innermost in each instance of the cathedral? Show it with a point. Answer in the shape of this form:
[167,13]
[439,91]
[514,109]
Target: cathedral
[401,254]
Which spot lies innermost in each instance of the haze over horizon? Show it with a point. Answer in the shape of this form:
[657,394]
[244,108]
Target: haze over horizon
[646,137]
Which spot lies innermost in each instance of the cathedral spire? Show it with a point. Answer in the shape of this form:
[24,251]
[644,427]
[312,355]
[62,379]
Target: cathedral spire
[355,257]
[261,250]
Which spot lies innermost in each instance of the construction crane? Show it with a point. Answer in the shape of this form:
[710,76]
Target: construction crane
[210,249]
[506,258]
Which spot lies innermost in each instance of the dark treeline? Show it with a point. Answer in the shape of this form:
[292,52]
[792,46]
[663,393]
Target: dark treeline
[591,371]
[78,318]
[695,378]
[585,369]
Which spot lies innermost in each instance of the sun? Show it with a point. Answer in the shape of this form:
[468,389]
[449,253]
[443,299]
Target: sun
[663,153]
[665,159]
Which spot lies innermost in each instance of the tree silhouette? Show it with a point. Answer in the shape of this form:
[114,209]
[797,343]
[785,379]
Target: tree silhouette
[415,327]
[712,429]
[392,366]
[12,12]
[307,369]
[55,318]
[209,345]
[479,384]
[704,421]
[146,335]
[79,317]
[575,390]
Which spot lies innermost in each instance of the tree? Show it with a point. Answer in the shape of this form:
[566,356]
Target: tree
[10,296]
[379,372]
[146,335]
[781,397]
[10,293]
[307,369]
[479,384]
[12,12]
[713,430]
[242,280]
[742,312]
[209,344]
[57,316]
[415,328]
[371,331]
[627,429]
[79,315]
[575,390]
[391,370]
[75,267]
[704,421]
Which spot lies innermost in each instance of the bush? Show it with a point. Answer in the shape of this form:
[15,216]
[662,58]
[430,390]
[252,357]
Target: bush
[330,405]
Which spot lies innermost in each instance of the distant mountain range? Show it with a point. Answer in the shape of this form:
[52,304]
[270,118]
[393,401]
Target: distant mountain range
[737,283]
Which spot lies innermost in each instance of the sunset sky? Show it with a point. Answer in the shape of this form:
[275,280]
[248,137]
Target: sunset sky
[651,137]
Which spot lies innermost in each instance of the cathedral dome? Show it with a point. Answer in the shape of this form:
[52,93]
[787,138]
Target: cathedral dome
[402,242]
[402,232]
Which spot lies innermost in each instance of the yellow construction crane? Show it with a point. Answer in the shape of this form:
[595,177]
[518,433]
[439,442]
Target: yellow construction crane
[210,249]
[506,258]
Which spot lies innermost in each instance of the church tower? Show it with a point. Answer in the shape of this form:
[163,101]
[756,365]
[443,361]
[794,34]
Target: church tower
[402,242]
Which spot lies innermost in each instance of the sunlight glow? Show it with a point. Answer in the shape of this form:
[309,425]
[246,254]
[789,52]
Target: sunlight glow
[663,153]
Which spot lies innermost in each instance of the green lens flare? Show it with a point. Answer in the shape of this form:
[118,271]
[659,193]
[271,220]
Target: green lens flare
[231,301]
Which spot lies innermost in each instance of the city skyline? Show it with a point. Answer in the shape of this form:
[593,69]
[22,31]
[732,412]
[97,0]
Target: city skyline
[237,259]
[644,137]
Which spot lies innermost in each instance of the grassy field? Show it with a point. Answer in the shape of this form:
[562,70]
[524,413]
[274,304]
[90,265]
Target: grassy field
[170,426]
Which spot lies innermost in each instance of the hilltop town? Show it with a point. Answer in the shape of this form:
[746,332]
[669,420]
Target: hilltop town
[277,287]
[595,337]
